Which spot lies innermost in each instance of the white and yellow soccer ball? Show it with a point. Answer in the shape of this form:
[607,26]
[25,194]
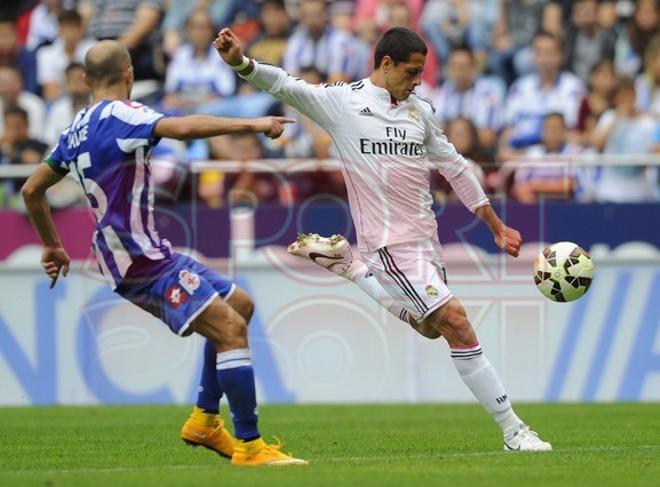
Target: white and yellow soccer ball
[563,272]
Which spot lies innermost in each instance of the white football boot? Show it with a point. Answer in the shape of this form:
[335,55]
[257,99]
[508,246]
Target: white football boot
[333,253]
[526,440]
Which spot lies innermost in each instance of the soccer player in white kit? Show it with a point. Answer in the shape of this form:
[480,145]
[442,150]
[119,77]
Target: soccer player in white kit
[388,140]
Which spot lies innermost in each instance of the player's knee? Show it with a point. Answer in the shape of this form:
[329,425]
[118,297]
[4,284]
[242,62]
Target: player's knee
[426,329]
[242,303]
[454,325]
[223,326]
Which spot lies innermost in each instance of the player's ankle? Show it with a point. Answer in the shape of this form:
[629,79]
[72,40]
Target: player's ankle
[355,270]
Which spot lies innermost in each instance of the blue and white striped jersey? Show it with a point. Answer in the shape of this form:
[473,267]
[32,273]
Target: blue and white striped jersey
[107,149]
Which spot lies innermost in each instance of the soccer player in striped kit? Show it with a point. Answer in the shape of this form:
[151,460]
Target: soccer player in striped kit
[107,149]
[387,139]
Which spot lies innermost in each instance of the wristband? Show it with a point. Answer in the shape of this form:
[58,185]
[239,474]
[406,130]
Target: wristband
[243,65]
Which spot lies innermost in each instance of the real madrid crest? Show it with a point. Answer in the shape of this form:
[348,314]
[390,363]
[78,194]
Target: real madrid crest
[413,114]
[431,292]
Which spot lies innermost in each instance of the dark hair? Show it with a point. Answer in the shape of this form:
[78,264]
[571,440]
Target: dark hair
[276,3]
[16,110]
[70,16]
[463,48]
[623,83]
[201,10]
[398,43]
[548,35]
[310,68]
[6,19]
[555,115]
[73,66]
[12,67]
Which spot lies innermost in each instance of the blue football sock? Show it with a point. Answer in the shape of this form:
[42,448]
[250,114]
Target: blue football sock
[236,379]
[210,393]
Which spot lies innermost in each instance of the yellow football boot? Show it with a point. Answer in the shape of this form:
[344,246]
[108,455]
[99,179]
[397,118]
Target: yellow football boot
[257,453]
[208,430]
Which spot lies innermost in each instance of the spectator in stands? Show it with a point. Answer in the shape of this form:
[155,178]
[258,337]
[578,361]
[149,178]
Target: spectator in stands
[535,95]
[249,187]
[318,184]
[216,188]
[133,23]
[547,177]
[379,12]
[401,15]
[76,97]
[222,13]
[647,85]
[316,43]
[455,23]
[16,147]
[633,39]
[270,45]
[196,74]
[517,23]
[12,93]
[342,18]
[602,83]
[624,130]
[43,24]
[463,134]
[70,46]
[305,138]
[11,53]
[586,42]
[464,94]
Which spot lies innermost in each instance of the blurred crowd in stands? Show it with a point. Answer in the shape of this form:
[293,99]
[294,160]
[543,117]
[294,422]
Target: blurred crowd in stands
[510,80]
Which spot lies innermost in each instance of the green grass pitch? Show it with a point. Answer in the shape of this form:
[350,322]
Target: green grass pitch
[453,445]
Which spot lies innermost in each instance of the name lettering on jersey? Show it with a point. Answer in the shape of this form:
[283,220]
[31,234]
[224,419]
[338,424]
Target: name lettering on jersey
[391,146]
[76,137]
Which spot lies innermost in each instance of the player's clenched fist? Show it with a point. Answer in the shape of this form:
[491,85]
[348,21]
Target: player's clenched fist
[229,47]
[509,240]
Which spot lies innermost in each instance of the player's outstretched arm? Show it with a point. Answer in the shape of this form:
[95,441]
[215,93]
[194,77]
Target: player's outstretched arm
[323,105]
[203,126]
[53,258]
[506,238]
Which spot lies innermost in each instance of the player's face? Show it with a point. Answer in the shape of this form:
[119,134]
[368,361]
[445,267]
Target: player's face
[404,77]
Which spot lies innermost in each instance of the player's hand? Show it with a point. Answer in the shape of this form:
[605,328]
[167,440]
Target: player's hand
[54,260]
[509,240]
[229,47]
[272,126]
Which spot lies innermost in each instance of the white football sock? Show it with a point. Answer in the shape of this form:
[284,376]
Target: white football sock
[359,273]
[480,377]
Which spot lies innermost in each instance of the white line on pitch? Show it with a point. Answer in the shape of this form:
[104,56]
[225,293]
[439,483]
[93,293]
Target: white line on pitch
[336,459]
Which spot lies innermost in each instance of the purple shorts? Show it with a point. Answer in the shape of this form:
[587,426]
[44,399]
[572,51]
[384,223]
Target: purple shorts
[175,289]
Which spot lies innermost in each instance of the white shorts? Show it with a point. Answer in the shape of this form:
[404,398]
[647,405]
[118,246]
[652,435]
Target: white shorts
[413,273]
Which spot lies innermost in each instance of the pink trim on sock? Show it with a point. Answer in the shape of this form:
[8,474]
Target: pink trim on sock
[465,347]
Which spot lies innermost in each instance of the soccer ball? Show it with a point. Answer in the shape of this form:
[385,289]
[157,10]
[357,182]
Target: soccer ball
[563,272]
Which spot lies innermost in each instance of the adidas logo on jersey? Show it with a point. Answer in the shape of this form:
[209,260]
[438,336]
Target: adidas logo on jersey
[365,112]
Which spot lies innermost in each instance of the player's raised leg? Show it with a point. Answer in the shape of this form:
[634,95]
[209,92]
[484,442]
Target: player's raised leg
[205,426]
[481,378]
[227,330]
[334,253]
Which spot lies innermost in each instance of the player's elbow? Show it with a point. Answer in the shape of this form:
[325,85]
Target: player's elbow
[29,191]
[184,130]
[179,128]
